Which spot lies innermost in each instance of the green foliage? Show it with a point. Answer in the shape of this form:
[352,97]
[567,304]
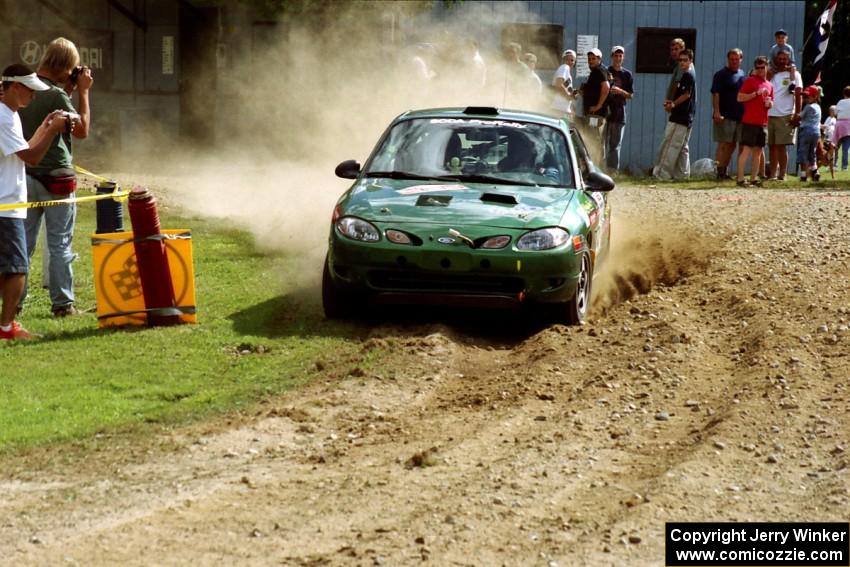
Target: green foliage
[255,338]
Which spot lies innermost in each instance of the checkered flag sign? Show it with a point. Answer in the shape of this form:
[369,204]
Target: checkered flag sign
[127,281]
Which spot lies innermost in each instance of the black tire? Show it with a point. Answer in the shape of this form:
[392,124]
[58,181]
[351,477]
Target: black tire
[576,309]
[336,303]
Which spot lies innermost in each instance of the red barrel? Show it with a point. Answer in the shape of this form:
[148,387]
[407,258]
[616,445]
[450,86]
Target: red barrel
[152,259]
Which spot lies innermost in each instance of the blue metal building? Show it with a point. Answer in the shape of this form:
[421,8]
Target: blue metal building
[719,26]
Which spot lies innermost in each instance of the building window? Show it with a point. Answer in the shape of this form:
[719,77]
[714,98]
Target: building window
[543,40]
[653,47]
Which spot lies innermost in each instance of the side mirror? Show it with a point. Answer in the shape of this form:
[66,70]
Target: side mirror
[349,169]
[598,181]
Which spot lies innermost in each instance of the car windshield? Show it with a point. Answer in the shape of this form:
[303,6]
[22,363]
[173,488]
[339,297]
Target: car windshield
[474,150]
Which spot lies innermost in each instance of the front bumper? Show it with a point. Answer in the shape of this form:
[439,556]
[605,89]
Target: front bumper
[453,274]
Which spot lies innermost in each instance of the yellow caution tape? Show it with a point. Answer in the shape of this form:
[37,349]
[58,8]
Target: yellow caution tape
[117,195]
[84,171]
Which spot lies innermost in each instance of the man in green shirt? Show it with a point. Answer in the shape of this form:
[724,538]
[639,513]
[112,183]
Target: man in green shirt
[53,178]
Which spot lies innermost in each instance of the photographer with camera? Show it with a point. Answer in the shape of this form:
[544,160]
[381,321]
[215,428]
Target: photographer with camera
[54,178]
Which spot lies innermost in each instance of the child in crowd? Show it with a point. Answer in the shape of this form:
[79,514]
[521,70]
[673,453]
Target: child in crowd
[829,124]
[781,45]
[828,128]
[809,133]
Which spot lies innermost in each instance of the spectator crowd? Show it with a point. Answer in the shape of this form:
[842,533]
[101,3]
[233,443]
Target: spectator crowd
[759,111]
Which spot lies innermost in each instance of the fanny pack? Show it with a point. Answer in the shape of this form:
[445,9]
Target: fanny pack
[63,184]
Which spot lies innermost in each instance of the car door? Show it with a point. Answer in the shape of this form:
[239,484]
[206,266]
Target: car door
[594,203]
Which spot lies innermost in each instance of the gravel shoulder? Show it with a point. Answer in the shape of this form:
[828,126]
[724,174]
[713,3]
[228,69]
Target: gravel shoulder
[710,385]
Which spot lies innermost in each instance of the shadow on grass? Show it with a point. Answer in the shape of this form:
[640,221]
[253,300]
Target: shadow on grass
[61,336]
[300,314]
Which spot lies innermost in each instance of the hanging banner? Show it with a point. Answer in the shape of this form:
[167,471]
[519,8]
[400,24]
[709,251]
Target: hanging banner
[822,29]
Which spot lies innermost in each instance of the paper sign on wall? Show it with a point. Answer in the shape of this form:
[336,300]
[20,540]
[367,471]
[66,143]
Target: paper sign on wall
[584,43]
[168,55]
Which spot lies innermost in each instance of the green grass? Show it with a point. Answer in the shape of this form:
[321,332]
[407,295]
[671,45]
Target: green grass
[78,380]
[826,183]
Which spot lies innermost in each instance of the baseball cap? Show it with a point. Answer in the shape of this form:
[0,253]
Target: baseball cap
[812,90]
[30,81]
[617,48]
[780,31]
[595,51]
[568,52]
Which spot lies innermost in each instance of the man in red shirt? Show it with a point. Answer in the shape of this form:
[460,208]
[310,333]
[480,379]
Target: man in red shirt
[756,95]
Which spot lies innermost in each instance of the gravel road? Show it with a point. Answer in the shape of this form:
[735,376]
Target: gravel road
[711,384]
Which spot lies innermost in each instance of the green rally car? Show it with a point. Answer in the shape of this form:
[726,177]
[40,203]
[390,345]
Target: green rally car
[478,206]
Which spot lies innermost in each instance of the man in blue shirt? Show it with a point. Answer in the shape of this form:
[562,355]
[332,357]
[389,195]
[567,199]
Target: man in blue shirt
[727,110]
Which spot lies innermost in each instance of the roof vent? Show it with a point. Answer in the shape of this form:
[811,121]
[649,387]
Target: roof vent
[488,110]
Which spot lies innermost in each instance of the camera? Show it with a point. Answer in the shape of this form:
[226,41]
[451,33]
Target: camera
[75,74]
[70,119]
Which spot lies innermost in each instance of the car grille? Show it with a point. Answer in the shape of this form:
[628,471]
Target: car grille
[447,282]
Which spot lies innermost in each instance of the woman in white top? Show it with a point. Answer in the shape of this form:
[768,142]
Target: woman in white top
[841,135]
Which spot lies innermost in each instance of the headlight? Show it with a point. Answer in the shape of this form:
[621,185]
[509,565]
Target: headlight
[358,229]
[543,239]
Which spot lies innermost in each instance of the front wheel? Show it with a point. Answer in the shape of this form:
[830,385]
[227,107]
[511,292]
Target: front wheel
[336,303]
[575,310]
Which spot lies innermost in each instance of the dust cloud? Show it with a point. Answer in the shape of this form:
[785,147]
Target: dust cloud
[644,256]
[316,95]
[313,98]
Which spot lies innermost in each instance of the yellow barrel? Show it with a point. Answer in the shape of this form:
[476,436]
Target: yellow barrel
[118,288]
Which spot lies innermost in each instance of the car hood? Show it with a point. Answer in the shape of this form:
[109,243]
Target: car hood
[456,203]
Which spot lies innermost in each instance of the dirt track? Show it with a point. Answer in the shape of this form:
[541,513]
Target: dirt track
[711,384]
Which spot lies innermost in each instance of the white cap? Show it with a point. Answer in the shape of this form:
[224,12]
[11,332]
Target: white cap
[31,81]
[568,52]
[596,52]
[617,48]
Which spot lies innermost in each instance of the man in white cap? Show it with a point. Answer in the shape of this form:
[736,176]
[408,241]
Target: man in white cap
[595,90]
[562,84]
[622,89]
[19,84]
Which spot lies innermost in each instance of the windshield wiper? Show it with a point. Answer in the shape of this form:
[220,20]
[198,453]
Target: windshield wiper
[401,175]
[477,178]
